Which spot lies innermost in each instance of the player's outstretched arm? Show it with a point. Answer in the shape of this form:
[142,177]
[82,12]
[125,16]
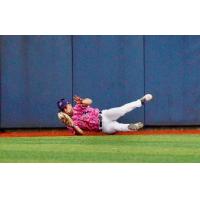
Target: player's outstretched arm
[84,102]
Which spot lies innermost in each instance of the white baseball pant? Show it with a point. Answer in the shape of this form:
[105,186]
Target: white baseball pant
[109,117]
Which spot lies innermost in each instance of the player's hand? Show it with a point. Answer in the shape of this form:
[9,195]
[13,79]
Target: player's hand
[78,99]
[78,131]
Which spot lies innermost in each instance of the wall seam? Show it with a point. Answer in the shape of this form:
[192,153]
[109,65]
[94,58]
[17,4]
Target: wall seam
[144,64]
[72,65]
[0,81]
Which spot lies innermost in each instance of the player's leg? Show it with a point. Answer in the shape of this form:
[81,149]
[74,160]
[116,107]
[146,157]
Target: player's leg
[115,126]
[115,113]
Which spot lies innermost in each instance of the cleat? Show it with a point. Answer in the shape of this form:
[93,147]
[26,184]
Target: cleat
[146,98]
[135,126]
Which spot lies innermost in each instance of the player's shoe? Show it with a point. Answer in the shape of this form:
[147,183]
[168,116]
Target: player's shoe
[135,126]
[146,98]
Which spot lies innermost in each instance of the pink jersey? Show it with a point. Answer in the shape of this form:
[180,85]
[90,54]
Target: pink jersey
[86,117]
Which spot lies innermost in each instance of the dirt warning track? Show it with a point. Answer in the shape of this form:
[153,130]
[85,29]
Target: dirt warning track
[53,132]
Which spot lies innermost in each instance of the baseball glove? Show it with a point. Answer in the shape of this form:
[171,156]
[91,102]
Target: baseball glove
[66,119]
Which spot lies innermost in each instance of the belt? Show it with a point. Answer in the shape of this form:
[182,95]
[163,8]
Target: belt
[100,120]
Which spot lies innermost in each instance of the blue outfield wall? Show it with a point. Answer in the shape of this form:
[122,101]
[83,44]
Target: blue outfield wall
[110,70]
[36,71]
[172,74]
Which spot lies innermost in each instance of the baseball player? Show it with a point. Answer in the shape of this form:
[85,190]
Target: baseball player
[84,117]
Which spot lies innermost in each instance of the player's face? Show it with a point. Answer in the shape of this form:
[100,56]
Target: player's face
[69,109]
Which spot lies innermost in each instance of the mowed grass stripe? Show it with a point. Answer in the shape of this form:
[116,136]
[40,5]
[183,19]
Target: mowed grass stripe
[138,148]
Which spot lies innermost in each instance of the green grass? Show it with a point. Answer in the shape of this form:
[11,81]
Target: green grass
[117,149]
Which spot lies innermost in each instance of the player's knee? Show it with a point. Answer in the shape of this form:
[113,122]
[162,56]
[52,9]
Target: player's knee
[109,130]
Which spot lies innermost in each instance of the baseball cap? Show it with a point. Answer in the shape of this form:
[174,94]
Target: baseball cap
[62,103]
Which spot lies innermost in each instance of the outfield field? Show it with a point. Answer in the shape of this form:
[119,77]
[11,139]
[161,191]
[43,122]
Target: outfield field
[102,149]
